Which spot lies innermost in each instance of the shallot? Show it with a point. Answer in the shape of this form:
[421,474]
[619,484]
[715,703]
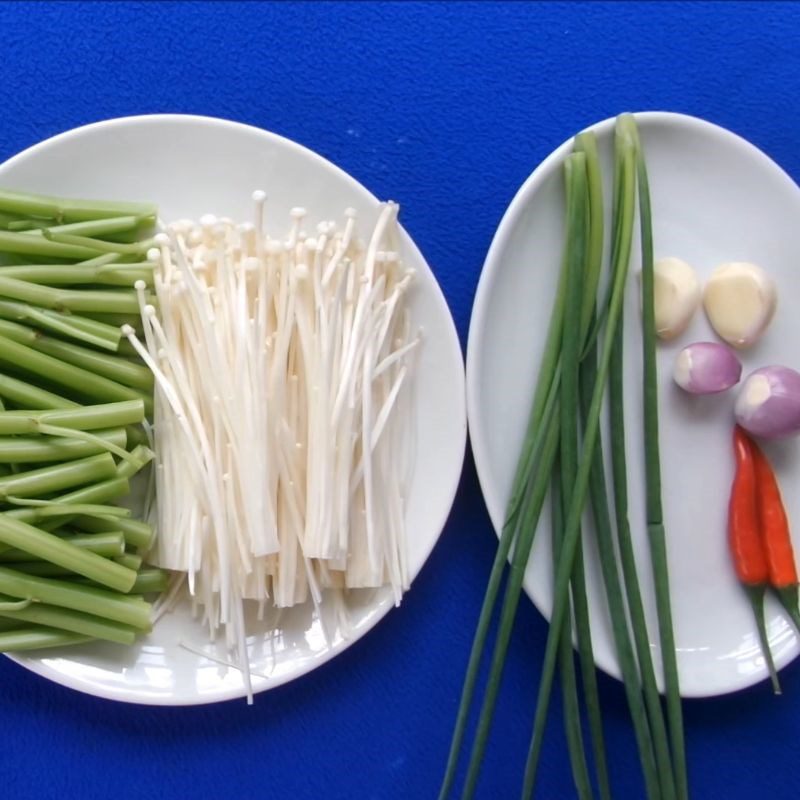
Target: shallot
[706,368]
[768,404]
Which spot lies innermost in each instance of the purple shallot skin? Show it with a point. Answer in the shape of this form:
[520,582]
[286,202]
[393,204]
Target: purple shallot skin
[768,405]
[707,368]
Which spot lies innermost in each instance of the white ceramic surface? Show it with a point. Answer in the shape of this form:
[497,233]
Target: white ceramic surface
[715,198]
[195,165]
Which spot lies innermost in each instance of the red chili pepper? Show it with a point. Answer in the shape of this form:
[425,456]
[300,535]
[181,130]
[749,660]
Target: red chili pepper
[776,535]
[744,539]
[749,558]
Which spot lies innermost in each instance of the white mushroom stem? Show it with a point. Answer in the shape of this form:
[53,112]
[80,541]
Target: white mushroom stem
[281,426]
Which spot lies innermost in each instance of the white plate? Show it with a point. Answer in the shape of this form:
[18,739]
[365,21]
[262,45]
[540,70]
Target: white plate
[715,198]
[195,165]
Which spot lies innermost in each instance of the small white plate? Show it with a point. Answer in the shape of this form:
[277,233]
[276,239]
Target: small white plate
[195,165]
[715,198]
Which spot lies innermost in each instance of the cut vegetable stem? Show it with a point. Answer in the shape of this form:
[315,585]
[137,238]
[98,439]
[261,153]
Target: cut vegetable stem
[137,533]
[81,381]
[115,301]
[72,326]
[54,478]
[66,619]
[91,247]
[112,274]
[109,366]
[81,418]
[48,547]
[32,449]
[25,244]
[33,637]
[63,210]
[132,611]
[107,544]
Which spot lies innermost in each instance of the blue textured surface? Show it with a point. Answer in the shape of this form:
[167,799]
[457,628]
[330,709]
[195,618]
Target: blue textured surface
[446,108]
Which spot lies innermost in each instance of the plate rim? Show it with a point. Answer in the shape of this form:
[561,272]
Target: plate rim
[479,320]
[36,661]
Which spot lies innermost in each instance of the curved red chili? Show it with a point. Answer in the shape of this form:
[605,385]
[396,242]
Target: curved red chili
[744,538]
[749,559]
[776,535]
[773,524]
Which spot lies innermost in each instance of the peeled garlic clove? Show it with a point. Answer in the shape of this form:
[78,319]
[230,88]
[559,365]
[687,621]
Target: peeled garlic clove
[676,296]
[740,300]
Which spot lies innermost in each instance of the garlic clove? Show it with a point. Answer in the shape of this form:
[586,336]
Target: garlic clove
[740,300]
[676,296]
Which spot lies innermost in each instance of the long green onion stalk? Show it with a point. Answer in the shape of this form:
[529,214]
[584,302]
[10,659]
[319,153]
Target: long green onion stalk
[569,687]
[564,475]
[580,488]
[656,770]
[655,517]
[582,363]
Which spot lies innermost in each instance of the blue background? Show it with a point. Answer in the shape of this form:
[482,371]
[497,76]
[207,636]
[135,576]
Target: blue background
[447,108]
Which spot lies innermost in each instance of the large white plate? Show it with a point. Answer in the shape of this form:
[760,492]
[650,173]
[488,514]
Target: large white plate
[715,198]
[195,165]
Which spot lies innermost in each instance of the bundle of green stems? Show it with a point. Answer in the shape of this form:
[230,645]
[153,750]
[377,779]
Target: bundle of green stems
[580,374]
[73,402]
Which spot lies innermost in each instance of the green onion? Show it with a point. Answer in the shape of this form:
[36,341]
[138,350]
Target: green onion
[616,405]
[658,780]
[578,497]
[569,686]
[655,518]
[526,499]
[577,248]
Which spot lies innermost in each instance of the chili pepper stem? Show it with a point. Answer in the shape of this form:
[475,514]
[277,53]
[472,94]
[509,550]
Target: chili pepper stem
[756,596]
[788,595]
